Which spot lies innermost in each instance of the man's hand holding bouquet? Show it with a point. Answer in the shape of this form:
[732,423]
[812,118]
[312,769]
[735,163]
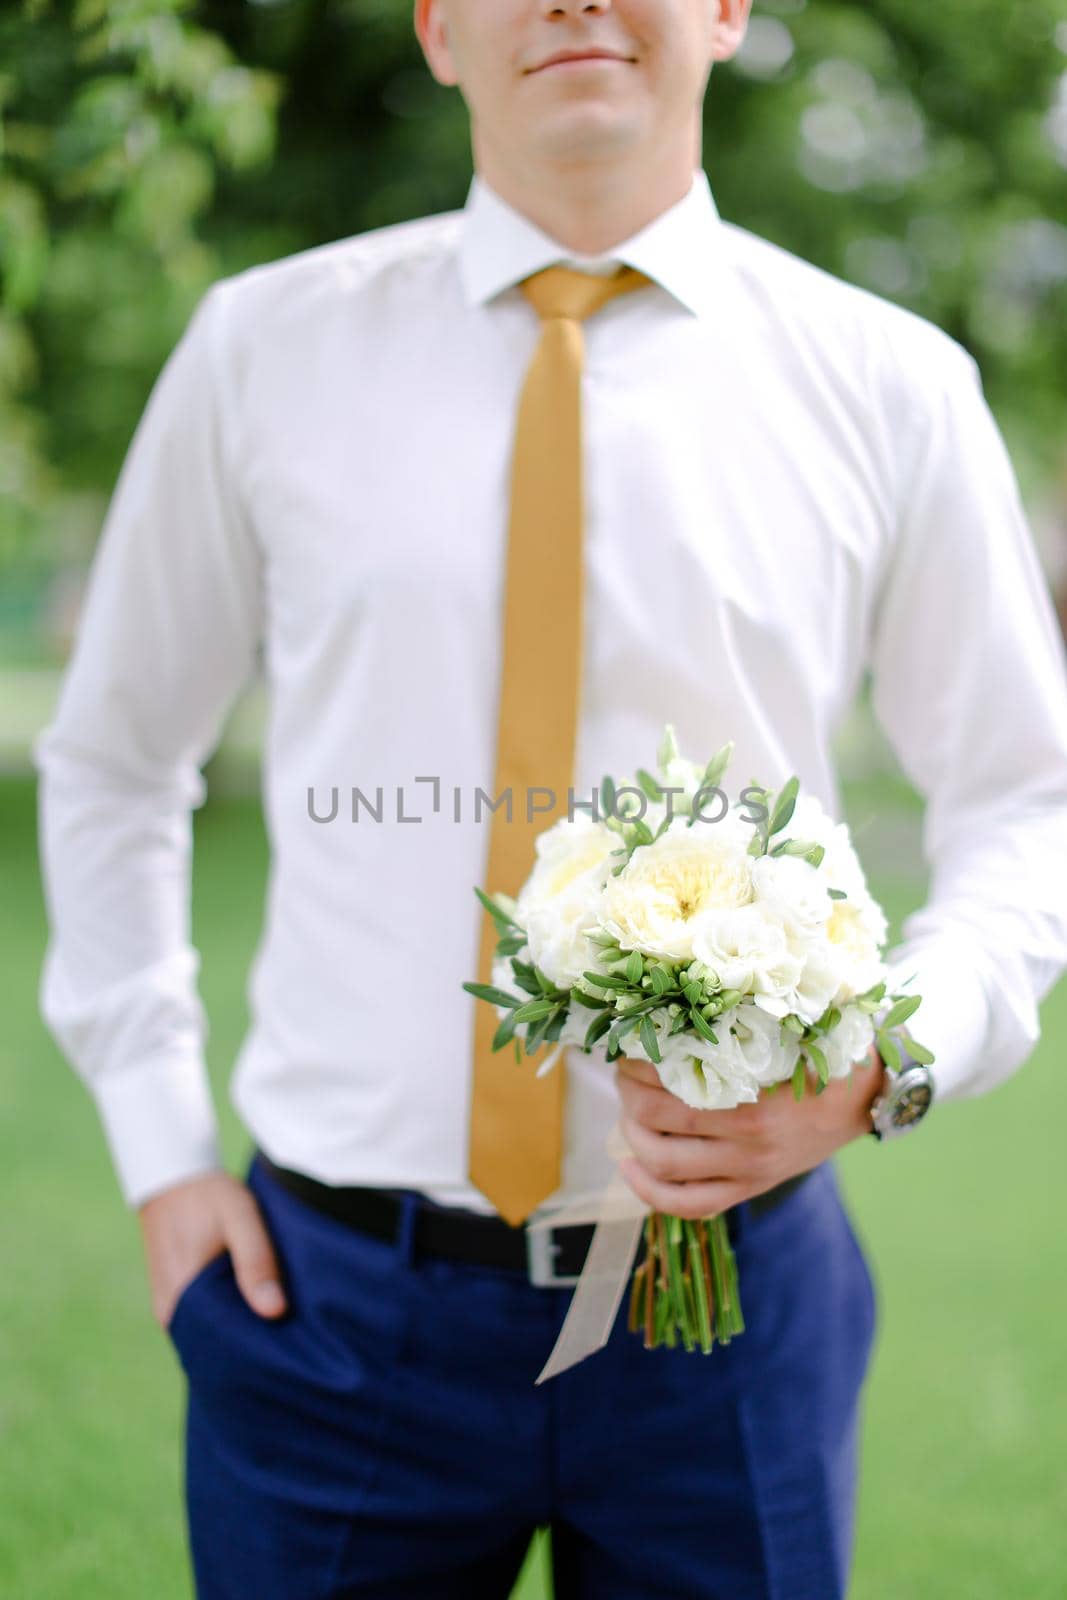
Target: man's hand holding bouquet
[726,959]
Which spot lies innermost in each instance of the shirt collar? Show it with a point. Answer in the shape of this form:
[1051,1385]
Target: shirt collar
[499,245]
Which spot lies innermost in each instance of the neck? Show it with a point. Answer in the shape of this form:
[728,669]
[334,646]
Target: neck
[589,206]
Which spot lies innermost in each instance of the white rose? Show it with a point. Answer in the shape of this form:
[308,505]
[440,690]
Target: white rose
[792,890]
[559,942]
[840,865]
[559,902]
[704,1075]
[656,902]
[565,853]
[747,948]
[820,981]
[855,931]
[767,1052]
[848,1042]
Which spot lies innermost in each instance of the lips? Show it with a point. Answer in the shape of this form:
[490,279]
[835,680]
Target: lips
[568,57]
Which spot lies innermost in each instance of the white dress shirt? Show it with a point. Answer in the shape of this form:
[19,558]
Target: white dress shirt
[789,481]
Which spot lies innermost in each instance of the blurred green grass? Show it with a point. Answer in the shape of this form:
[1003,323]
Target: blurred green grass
[964,1475]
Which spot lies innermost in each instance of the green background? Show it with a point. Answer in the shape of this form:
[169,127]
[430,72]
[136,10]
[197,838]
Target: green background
[963,1477]
[148,147]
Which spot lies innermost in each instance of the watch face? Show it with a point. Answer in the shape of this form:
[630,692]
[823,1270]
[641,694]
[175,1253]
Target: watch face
[913,1104]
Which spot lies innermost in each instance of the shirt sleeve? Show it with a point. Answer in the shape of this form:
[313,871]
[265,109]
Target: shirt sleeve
[969,684]
[167,637]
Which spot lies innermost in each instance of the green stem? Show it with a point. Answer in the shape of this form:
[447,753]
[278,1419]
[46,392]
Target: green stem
[700,1269]
[675,1284]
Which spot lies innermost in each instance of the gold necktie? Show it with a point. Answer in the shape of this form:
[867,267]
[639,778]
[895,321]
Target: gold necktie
[516,1119]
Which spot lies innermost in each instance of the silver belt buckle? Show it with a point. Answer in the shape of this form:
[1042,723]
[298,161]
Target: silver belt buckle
[541,1252]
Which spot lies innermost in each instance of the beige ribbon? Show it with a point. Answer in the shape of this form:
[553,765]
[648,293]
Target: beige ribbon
[619,1215]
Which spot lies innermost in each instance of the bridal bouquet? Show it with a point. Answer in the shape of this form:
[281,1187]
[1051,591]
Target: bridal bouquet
[736,947]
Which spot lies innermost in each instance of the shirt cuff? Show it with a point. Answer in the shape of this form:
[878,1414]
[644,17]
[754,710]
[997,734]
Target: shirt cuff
[953,1019]
[160,1123]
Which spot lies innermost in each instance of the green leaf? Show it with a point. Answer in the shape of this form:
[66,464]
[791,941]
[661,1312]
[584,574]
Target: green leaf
[829,1019]
[535,1035]
[534,1010]
[902,1011]
[815,855]
[702,1027]
[819,1061]
[799,1080]
[619,1031]
[605,980]
[649,784]
[649,1004]
[555,1026]
[511,944]
[607,795]
[919,1051]
[505,1033]
[648,1039]
[668,747]
[717,766]
[783,809]
[888,1046]
[661,980]
[494,910]
[590,1001]
[634,966]
[526,978]
[597,1029]
[495,997]
[837,894]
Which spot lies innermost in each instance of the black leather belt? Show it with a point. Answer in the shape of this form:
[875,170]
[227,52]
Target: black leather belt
[549,1257]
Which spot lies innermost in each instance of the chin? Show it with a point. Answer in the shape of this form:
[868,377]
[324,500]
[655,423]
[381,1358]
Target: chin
[587,132]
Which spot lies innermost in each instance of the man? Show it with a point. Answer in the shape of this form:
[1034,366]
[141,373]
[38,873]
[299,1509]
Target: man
[787,481]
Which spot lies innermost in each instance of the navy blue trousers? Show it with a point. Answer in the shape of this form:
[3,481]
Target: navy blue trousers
[385,1438]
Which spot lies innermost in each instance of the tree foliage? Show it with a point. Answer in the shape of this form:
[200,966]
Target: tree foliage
[148,146]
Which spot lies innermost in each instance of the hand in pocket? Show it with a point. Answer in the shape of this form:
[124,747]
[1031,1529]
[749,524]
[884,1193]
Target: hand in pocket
[186,1225]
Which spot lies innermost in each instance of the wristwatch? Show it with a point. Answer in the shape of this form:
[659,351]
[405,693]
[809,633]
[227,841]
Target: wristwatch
[905,1101]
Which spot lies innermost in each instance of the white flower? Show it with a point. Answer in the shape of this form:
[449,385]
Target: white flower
[819,983]
[791,889]
[856,931]
[703,1075]
[747,948]
[840,865]
[565,853]
[767,1052]
[558,904]
[848,1042]
[655,903]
